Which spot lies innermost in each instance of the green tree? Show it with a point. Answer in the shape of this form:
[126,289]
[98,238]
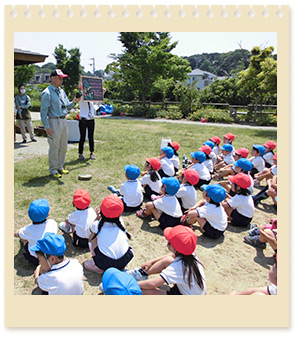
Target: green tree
[188,95]
[146,60]
[69,62]
[23,74]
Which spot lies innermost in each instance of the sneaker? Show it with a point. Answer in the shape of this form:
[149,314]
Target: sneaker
[63,171]
[81,157]
[56,175]
[113,190]
[65,227]
[34,140]
[24,141]
[139,274]
[256,183]
[254,241]
[90,265]
[254,231]
[141,214]
[253,225]
[92,156]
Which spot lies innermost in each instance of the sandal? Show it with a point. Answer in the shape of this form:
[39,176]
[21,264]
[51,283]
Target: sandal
[141,214]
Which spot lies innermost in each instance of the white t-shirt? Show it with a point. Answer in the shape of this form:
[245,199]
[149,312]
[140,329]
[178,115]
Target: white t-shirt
[132,193]
[215,150]
[258,162]
[269,157]
[228,159]
[202,171]
[188,195]
[168,204]
[65,278]
[175,161]
[33,233]
[112,241]
[251,187]
[274,170]
[167,166]
[209,164]
[154,185]
[82,219]
[213,156]
[243,204]
[174,274]
[86,110]
[216,216]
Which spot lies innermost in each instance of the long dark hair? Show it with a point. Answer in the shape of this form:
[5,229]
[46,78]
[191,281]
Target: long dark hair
[113,220]
[191,269]
[153,175]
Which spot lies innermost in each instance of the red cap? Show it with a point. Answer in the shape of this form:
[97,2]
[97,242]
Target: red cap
[58,72]
[229,136]
[216,139]
[175,145]
[270,144]
[205,149]
[112,206]
[243,152]
[241,179]
[81,199]
[154,162]
[275,156]
[192,176]
[182,239]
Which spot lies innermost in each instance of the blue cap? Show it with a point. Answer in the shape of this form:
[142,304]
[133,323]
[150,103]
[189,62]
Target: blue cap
[244,163]
[199,155]
[215,191]
[116,282]
[132,171]
[261,149]
[168,151]
[39,210]
[51,244]
[209,143]
[172,185]
[227,147]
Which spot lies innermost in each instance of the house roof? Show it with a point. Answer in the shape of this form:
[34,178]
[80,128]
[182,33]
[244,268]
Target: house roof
[198,72]
[22,57]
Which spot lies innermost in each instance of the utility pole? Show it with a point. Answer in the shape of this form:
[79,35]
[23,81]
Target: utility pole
[93,64]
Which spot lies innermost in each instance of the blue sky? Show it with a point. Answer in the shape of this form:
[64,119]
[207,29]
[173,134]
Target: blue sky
[106,43]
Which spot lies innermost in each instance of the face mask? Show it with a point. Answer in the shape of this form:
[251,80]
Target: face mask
[22,91]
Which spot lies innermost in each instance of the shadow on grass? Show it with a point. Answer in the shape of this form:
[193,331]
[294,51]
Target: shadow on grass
[206,242]
[152,229]
[266,208]
[262,260]
[22,266]
[236,229]
[93,279]
[42,181]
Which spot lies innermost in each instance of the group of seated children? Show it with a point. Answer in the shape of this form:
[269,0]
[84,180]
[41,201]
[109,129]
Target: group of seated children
[172,202]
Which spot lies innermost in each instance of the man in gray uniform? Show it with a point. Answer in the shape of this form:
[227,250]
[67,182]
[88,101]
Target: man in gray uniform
[54,108]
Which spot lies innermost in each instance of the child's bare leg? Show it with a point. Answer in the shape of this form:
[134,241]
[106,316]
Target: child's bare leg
[156,214]
[226,185]
[201,222]
[155,291]
[224,172]
[149,208]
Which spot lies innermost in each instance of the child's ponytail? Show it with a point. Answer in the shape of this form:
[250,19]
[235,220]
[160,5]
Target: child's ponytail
[113,220]
[153,175]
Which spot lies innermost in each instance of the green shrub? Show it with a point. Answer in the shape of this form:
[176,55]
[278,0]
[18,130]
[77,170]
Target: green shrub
[267,119]
[211,115]
[152,112]
[35,105]
[175,114]
[162,113]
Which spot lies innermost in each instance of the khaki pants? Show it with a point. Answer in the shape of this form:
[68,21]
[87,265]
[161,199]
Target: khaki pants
[22,124]
[58,144]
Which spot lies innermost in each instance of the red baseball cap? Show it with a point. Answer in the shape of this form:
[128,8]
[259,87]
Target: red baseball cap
[154,162]
[241,179]
[229,136]
[205,149]
[275,156]
[270,144]
[182,239]
[192,176]
[58,72]
[216,139]
[81,199]
[175,145]
[243,152]
[112,206]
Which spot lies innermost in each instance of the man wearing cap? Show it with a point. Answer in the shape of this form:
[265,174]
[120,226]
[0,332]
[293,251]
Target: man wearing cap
[54,107]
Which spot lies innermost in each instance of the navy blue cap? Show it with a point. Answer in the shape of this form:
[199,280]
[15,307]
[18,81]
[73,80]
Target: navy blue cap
[199,155]
[116,282]
[261,149]
[132,171]
[244,163]
[51,244]
[215,191]
[39,210]
[227,147]
[168,151]
[171,185]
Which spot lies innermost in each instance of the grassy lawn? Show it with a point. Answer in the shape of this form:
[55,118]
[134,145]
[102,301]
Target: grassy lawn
[121,142]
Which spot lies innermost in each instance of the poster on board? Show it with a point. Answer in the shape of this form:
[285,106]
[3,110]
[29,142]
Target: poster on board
[92,88]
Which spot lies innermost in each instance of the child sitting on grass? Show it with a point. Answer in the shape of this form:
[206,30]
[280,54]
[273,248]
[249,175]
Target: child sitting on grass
[187,194]
[206,149]
[166,209]
[131,191]
[209,213]
[240,208]
[227,157]
[266,173]
[181,268]
[55,274]
[227,139]
[109,244]
[175,158]
[257,159]
[79,221]
[268,156]
[38,213]
[151,180]
[216,140]
[167,168]
[198,158]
